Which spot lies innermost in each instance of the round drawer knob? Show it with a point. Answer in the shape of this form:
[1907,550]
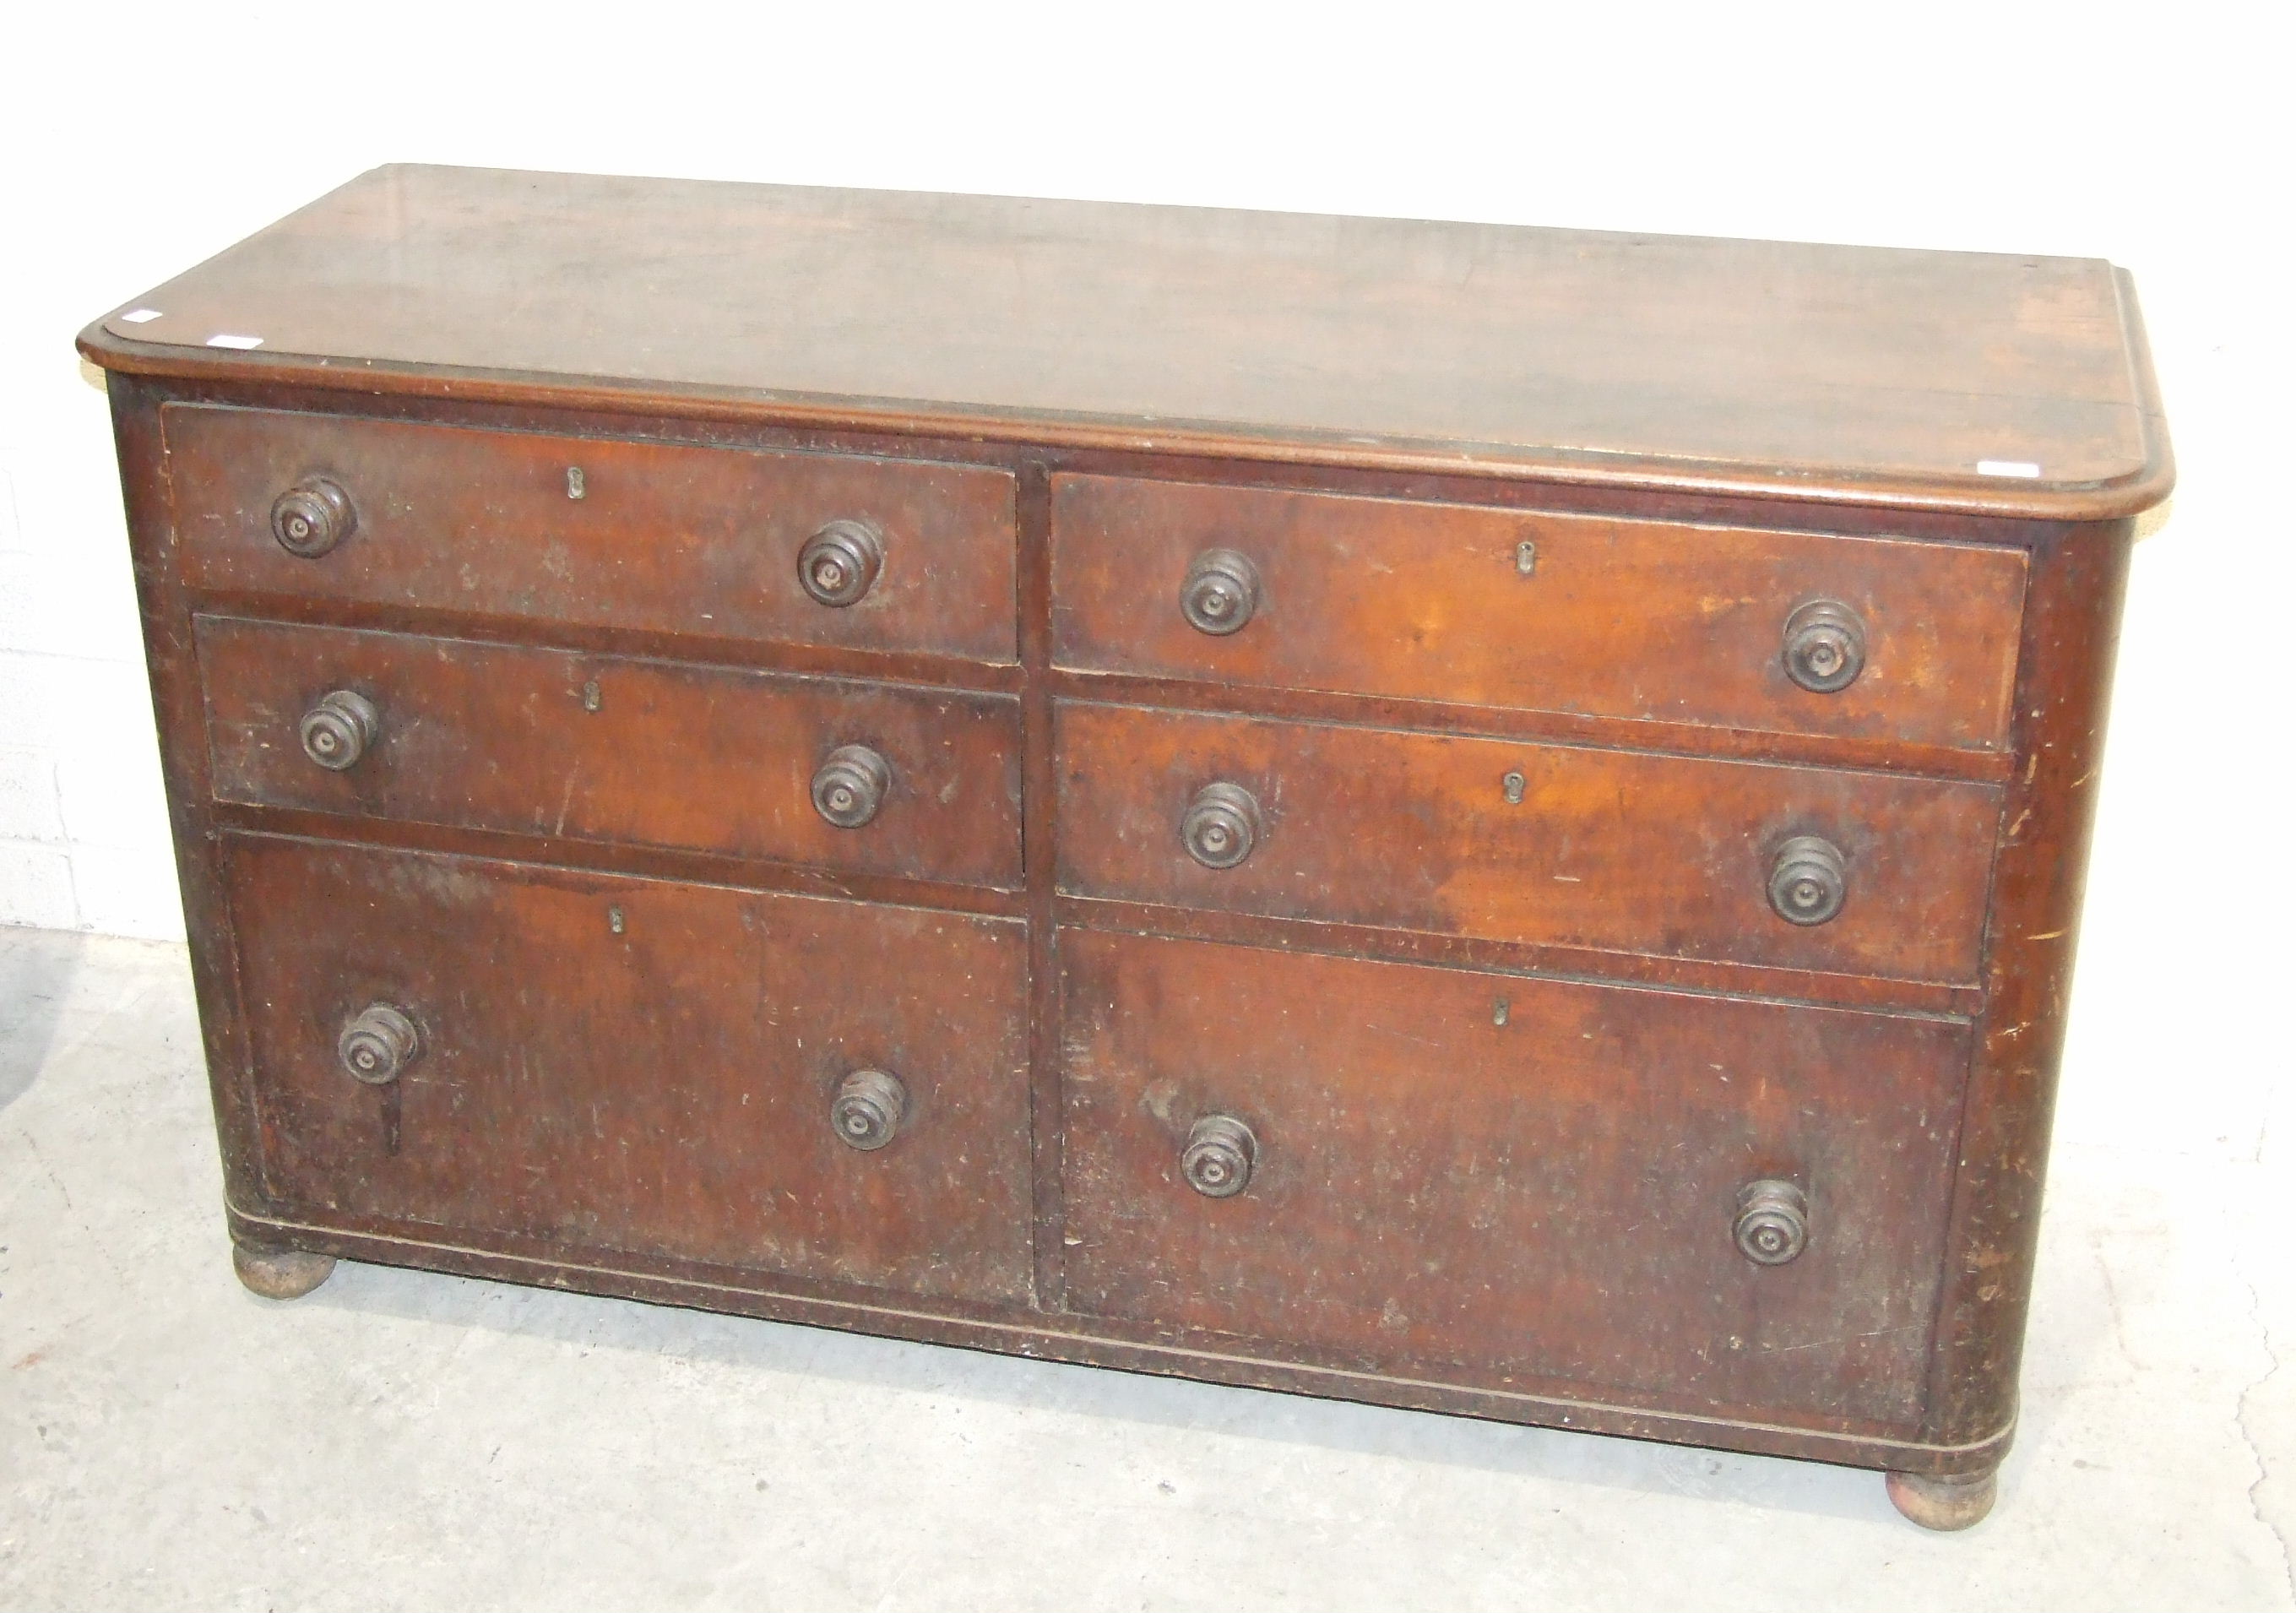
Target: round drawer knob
[1221,825]
[1220,1154]
[839,563]
[312,517]
[1773,1222]
[378,1043]
[1824,646]
[851,786]
[868,1108]
[1808,882]
[338,731]
[1221,593]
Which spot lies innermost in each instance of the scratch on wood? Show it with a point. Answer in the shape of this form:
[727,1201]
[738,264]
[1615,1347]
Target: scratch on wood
[566,800]
[1819,1344]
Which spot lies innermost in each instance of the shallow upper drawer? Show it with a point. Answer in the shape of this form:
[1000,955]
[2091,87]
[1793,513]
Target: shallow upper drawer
[605,747]
[1577,614]
[1811,868]
[595,531]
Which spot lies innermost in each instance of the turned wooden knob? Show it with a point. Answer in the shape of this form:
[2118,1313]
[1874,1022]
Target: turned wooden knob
[378,1042]
[868,1108]
[1219,1156]
[338,731]
[1809,881]
[839,563]
[312,517]
[1824,646]
[851,786]
[1221,593]
[1773,1222]
[1221,825]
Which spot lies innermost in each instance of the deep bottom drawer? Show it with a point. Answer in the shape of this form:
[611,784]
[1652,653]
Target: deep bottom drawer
[636,1065]
[1534,1181]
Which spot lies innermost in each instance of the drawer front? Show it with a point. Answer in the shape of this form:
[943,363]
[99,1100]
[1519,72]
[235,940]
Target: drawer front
[626,1064]
[1610,619]
[1668,856]
[663,538]
[605,747]
[1525,1180]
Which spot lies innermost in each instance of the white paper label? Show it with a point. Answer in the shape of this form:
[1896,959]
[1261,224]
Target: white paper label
[2007,466]
[136,317]
[235,341]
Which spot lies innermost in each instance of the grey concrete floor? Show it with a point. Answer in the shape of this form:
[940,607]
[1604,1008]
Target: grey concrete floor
[404,1440]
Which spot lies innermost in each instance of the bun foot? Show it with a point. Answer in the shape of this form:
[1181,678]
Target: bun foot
[1943,1503]
[279,1273]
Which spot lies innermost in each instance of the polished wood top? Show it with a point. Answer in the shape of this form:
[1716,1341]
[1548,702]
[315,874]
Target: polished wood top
[1953,381]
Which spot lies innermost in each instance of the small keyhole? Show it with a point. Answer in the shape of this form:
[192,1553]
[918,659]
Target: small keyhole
[590,698]
[1499,1011]
[1526,558]
[574,484]
[614,920]
[1512,787]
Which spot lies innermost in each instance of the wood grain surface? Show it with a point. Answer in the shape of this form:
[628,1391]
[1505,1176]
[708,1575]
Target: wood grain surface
[1800,372]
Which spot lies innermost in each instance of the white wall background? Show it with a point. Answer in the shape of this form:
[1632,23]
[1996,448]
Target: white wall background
[136,139]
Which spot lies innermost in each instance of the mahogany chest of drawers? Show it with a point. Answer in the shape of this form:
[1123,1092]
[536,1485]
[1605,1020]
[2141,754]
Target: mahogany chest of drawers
[1480,819]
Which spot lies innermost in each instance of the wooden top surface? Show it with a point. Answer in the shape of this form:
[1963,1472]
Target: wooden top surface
[1956,380]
